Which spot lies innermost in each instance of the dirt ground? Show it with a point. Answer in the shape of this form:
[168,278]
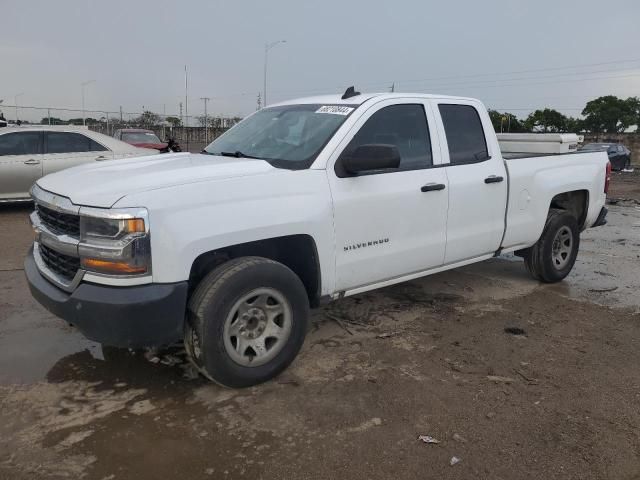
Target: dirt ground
[557,399]
[626,185]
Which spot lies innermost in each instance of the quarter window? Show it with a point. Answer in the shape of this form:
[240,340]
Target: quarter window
[404,126]
[69,142]
[465,136]
[21,143]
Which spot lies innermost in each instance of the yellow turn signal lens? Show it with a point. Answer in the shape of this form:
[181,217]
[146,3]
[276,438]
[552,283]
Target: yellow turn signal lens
[107,266]
[134,225]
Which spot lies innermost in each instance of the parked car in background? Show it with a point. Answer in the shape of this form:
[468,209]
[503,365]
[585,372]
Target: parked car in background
[28,153]
[619,155]
[139,137]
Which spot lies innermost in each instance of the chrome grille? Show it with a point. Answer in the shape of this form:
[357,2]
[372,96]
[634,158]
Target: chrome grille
[61,264]
[59,222]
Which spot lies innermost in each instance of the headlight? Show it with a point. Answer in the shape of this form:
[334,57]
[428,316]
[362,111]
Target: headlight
[115,242]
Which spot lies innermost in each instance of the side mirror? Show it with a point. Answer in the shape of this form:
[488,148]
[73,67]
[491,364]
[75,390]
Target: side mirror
[375,156]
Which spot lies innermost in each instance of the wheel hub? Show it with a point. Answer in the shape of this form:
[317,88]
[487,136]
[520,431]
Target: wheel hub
[253,323]
[562,248]
[257,327]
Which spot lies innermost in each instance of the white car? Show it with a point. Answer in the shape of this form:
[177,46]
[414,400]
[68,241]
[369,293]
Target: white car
[299,204]
[30,152]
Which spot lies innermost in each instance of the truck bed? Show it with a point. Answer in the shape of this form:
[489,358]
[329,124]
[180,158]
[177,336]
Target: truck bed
[533,184]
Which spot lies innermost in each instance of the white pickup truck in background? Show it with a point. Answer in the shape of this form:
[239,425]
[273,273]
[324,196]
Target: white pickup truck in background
[302,202]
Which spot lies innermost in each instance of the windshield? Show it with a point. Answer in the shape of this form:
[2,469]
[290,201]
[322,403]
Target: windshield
[140,137]
[289,136]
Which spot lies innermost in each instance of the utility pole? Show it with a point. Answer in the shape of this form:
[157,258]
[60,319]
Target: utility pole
[121,121]
[267,47]
[16,102]
[259,106]
[393,87]
[206,120]
[186,97]
[181,121]
[49,115]
[186,104]
[84,84]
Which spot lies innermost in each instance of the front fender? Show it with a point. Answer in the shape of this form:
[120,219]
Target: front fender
[189,220]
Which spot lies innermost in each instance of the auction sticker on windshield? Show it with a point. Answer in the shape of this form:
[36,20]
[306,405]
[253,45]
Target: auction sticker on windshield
[335,109]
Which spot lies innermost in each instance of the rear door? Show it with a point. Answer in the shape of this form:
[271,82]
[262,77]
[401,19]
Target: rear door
[68,149]
[477,181]
[20,163]
[390,223]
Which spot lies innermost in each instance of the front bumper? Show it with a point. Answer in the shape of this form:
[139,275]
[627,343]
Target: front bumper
[133,317]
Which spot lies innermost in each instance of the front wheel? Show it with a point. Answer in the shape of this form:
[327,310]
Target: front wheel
[554,254]
[247,321]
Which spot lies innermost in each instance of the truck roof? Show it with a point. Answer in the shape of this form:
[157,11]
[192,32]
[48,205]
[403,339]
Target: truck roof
[363,97]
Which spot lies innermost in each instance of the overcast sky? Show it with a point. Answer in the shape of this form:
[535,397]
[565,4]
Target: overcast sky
[510,54]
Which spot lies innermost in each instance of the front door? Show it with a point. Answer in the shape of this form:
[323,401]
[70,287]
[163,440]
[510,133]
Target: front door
[390,223]
[20,163]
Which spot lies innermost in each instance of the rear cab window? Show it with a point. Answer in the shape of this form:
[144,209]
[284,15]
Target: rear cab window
[465,136]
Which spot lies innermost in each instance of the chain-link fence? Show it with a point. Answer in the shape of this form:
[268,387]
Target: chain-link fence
[193,133]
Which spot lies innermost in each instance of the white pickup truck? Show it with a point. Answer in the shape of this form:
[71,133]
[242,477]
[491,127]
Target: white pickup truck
[301,203]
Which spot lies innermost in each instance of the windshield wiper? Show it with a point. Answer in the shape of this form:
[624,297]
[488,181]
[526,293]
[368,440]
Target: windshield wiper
[237,154]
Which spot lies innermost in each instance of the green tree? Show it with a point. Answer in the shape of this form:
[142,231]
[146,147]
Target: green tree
[610,114]
[174,121]
[545,121]
[147,119]
[78,121]
[54,121]
[505,122]
[574,125]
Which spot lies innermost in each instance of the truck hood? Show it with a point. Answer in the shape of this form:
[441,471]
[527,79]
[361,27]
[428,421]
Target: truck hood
[102,184]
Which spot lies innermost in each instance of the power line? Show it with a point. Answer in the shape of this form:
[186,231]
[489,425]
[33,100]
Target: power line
[384,83]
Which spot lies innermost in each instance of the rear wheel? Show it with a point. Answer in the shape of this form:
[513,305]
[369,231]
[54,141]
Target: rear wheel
[247,321]
[554,254]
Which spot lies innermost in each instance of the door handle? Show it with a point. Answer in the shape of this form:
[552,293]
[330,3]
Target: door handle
[101,157]
[432,187]
[493,179]
[32,161]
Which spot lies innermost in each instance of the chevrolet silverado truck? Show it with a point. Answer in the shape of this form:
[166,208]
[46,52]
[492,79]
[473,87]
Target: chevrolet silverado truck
[301,203]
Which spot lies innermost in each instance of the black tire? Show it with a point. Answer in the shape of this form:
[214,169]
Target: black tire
[539,258]
[211,304]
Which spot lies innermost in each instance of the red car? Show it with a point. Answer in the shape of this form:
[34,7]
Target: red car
[139,137]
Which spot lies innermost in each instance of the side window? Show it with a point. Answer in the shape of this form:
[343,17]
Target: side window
[465,136]
[21,143]
[404,126]
[70,142]
[95,146]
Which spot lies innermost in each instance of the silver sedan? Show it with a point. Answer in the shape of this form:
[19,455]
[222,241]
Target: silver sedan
[28,153]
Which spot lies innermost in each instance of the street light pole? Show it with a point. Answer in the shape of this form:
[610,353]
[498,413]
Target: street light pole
[267,47]
[16,102]
[206,121]
[84,84]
